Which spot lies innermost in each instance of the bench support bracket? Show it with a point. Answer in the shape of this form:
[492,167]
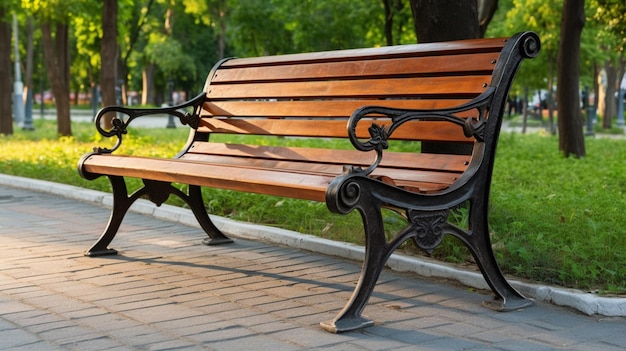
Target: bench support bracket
[158,193]
[427,218]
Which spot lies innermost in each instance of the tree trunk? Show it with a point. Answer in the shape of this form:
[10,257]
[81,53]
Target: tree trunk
[147,91]
[437,20]
[550,98]
[222,38]
[134,37]
[388,22]
[610,109]
[525,110]
[571,139]
[57,65]
[391,8]
[6,88]
[108,54]
[30,58]
[486,9]
[596,87]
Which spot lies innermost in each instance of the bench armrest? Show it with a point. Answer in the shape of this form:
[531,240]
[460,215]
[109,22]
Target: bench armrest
[119,125]
[380,134]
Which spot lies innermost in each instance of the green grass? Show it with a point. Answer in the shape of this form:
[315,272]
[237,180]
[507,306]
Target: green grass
[554,220]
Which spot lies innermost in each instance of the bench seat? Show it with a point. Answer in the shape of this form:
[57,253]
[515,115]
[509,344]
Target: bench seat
[294,172]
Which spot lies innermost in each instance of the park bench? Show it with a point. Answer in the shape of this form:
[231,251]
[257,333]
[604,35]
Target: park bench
[436,94]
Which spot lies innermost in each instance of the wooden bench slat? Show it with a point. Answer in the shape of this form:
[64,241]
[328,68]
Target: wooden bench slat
[298,185]
[462,65]
[401,87]
[426,49]
[311,109]
[422,130]
[398,175]
[417,161]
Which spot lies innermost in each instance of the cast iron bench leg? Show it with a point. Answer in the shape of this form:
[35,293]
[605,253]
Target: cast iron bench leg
[195,202]
[156,192]
[121,204]
[377,251]
[507,299]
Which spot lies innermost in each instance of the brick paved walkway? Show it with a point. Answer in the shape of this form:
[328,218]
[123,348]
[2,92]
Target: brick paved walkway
[166,291]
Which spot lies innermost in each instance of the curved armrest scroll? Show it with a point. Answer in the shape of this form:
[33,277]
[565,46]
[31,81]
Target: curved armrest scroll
[119,125]
[380,134]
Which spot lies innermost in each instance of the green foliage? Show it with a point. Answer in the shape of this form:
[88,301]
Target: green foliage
[259,27]
[542,17]
[610,16]
[553,220]
[186,53]
[167,53]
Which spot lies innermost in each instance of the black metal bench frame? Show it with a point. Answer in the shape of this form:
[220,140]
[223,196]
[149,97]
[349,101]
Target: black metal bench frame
[355,189]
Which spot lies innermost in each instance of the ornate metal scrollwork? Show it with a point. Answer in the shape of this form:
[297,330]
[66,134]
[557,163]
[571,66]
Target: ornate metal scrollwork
[347,196]
[157,192]
[380,135]
[119,125]
[427,228]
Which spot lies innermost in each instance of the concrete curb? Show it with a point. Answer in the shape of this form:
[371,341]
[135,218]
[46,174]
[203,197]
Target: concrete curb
[586,303]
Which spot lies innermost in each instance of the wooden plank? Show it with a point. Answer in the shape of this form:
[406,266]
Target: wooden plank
[416,130]
[426,173]
[408,160]
[317,108]
[425,49]
[294,185]
[450,87]
[458,65]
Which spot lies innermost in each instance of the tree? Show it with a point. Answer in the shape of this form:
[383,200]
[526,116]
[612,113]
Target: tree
[135,18]
[6,88]
[56,52]
[571,140]
[437,20]
[609,19]
[392,8]
[54,19]
[544,18]
[108,54]
[486,10]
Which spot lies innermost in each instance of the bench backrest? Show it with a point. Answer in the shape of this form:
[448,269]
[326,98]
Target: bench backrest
[313,94]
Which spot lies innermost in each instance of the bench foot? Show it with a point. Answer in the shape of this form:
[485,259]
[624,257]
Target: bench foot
[346,324]
[196,204]
[507,305]
[105,252]
[121,204]
[216,241]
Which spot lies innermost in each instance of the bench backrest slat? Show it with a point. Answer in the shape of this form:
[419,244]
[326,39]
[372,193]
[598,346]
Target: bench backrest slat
[428,130]
[415,50]
[310,109]
[450,87]
[313,94]
[421,66]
